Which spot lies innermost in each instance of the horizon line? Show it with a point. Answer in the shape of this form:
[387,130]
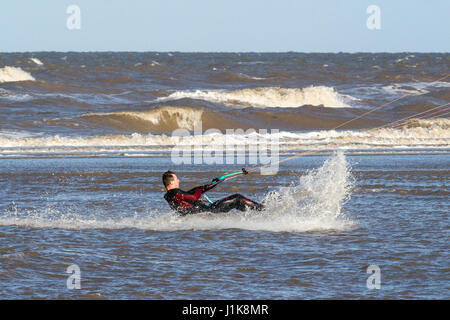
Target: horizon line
[179,51]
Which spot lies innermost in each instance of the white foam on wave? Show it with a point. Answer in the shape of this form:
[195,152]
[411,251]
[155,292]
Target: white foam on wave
[267,97]
[13,74]
[36,61]
[250,77]
[432,133]
[407,88]
[311,203]
[11,96]
[406,58]
[252,62]
[397,89]
[14,134]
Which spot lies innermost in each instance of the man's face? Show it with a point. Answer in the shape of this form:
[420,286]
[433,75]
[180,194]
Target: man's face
[175,182]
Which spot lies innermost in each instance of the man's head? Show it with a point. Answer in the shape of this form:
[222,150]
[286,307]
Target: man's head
[170,180]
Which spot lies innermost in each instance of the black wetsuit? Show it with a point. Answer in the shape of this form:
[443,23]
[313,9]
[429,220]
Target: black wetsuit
[189,202]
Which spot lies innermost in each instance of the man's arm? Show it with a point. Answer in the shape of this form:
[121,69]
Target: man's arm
[204,188]
[191,195]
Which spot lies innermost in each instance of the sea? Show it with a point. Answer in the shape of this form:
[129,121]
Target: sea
[356,198]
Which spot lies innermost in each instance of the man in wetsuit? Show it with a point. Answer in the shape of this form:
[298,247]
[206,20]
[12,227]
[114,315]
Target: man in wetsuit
[189,202]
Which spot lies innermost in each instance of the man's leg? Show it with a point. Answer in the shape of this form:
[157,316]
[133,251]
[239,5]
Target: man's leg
[236,201]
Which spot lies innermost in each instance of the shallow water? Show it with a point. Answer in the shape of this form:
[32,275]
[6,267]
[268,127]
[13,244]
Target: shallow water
[338,214]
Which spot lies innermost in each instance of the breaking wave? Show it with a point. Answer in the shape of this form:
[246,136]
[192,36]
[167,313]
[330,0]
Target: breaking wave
[267,97]
[36,61]
[417,134]
[160,119]
[13,74]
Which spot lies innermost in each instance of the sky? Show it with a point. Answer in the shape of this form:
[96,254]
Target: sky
[225,26]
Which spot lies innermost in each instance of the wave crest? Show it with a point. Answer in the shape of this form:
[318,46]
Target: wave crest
[267,97]
[425,134]
[160,119]
[13,74]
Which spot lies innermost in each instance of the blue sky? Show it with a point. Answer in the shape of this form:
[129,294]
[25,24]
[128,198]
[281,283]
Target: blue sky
[227,25]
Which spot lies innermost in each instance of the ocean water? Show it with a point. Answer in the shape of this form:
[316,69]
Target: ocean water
[85,138]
